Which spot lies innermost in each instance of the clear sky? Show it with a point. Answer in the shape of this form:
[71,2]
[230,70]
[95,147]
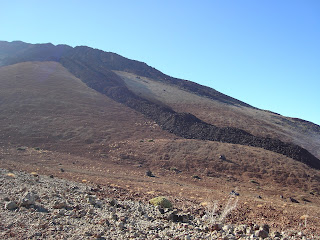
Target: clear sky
[265,53]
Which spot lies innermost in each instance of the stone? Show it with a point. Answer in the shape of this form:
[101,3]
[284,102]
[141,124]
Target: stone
[227,228]
[216,227]
[149,173]
[6,199]
[160,209]
[41,208]
[255,227]
[98,204]
[234,193]
[91,199]
[276,234]
[173,216]
[265,227]
[305,200]
[113,202]
[11,205]
[120,225]
[262,233]
[239,231]
[90,211]
[28,199]
[293,200]
[196,177]
[62,212]
[161,201]
[59,205]
[114,217]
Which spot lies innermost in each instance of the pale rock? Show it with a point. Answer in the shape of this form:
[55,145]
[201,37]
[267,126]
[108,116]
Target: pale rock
[28,199]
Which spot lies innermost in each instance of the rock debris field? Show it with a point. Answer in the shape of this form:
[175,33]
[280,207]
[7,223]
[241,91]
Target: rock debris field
[45,207]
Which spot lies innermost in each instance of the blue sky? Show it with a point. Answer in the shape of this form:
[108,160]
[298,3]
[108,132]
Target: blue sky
[265,53]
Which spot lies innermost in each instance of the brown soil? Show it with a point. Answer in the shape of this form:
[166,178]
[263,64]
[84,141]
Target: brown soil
[74,132]
[186,192]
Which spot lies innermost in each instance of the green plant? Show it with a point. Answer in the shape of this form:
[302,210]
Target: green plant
[161,201]
[21,148]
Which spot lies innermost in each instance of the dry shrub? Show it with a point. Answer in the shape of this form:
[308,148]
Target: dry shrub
[215,216]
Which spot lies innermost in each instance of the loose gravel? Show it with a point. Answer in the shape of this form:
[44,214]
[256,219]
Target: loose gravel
[45,207]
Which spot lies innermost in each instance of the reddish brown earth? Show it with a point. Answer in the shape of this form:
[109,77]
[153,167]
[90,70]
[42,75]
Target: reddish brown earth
[129,181]
[50,120]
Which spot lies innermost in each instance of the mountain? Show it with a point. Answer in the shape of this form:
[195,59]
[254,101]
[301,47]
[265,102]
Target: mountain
[193,111]
[87,115]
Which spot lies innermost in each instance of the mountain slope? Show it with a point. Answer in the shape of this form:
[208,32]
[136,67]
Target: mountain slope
[255,121]
[43,105]
[96,69]
[66,113]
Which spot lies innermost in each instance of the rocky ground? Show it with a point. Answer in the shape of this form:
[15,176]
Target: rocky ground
[46,207]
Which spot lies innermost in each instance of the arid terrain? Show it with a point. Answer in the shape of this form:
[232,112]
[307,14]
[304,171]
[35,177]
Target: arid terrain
[94,117]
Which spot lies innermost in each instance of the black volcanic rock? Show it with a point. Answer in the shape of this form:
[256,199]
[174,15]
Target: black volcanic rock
[95,68]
